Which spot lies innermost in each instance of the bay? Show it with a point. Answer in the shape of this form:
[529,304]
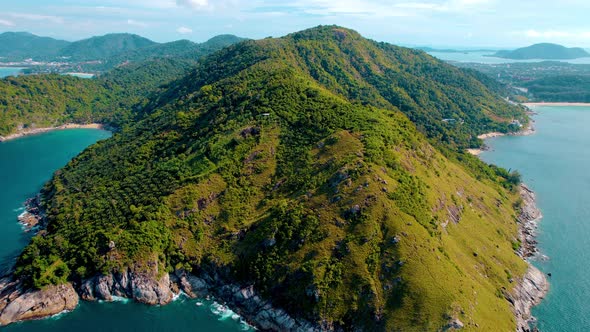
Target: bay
[555,163]
[9,71]
[28,162]
[480,57]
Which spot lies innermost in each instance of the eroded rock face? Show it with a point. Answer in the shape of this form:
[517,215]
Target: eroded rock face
[18,304]
[244,300]
[528,293]
[143,287]
[532,287]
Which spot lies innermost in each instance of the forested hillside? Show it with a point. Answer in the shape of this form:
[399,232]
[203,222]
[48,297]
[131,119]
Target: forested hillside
[311,167]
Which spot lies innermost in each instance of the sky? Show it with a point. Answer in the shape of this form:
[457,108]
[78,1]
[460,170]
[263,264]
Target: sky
[438,23]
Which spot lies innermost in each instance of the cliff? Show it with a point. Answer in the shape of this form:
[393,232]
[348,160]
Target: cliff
[533,286]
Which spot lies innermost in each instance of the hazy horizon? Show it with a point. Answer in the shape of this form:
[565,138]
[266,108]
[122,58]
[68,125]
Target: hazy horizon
[436,23]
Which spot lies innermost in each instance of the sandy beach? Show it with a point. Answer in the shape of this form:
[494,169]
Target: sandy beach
[34,131]
[490,135]
[555,104]
[529,130]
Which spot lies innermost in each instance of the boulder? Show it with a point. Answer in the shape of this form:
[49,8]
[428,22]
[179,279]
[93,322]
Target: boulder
[18,304]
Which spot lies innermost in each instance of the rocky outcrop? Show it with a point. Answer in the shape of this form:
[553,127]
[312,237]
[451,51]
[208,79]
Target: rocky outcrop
[244,300]
[143,287]
[529,291]
[529,216]
[532,287]
[18,304]
[34,217]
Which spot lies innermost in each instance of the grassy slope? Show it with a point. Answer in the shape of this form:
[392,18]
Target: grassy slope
[342,212]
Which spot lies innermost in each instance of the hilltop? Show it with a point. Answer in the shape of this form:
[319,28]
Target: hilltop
[103,47]
[100,54]
[309,181]
[543,51]
[24,45]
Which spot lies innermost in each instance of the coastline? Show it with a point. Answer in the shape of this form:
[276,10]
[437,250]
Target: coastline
[27,132]
[529,130]
[532,287]
[555,104]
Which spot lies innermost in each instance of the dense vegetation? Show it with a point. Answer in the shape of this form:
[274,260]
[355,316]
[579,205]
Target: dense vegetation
[181,49]
[291,163]
[562,88]
[101,53]
[543,51]
[550,81]
[103,47]
[49,100]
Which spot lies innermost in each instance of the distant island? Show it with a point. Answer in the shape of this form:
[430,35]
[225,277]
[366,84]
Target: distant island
[543,51]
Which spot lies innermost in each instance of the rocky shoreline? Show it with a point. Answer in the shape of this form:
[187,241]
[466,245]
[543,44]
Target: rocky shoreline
[144,284]
[17,303]
[33,131]
[533,286]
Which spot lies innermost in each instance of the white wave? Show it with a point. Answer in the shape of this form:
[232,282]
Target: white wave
[59,315]
[19,209]
[119,299]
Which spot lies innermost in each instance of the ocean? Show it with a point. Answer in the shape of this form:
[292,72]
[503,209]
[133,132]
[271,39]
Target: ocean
[25,164]
[9,71]
[555,163]
[480,57]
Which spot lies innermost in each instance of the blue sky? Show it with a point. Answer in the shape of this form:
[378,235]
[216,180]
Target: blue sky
[478,23]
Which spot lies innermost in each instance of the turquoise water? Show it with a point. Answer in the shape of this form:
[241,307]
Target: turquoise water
[25,164]
[9,71]
[480,57]
[555,163]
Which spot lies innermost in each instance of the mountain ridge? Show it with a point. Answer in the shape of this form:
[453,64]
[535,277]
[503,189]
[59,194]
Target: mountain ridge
[108,50]
[311,168]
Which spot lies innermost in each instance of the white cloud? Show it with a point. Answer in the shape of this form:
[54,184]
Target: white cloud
[184,30]
[7,23]
[137,23]
[555,34]
[36,17]
[193,4]
[447,6]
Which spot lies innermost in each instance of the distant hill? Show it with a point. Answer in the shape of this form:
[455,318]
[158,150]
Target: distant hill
[101,53]
[21,45]
[184,49]
[103,47]
[543,51]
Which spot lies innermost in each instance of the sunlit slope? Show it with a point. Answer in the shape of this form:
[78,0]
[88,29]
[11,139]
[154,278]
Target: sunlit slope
[332,203]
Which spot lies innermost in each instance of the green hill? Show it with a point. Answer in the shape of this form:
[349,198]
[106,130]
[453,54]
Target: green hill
[180,49]
[543,51]
[103,47]
[24,45]
[315,167]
